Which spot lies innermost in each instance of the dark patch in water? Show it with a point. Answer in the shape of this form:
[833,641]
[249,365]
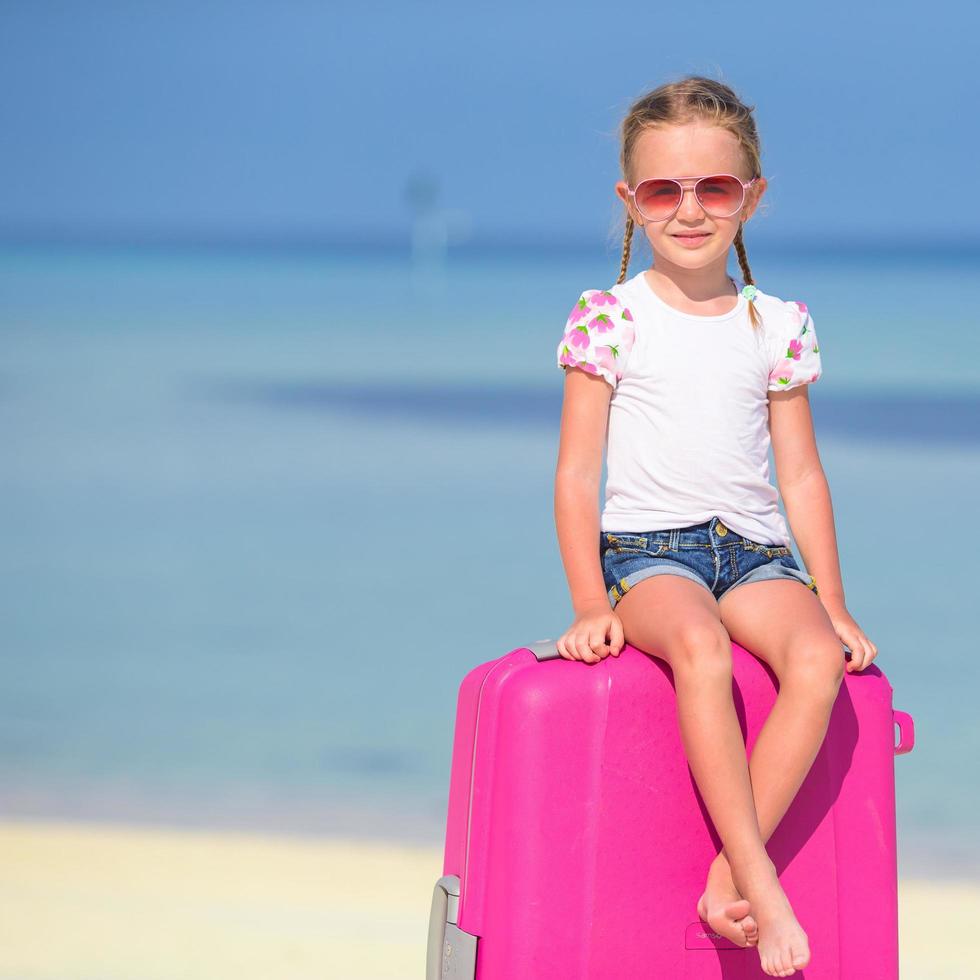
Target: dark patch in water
[366,760]
[907,417]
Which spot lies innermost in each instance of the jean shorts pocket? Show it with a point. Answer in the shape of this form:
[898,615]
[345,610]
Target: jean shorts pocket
[627,542]
[645,544]
[769,550]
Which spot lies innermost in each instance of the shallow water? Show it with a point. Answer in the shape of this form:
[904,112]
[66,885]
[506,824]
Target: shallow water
[263,512]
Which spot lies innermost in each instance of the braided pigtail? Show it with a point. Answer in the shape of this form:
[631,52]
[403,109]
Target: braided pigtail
[627,248]
[743,262]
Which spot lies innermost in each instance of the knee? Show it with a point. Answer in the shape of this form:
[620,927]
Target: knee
[819,666]
[703,649]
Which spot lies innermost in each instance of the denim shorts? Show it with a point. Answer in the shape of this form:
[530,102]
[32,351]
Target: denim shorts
[709,554]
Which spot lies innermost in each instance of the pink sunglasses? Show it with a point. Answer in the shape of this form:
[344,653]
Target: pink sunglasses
[658,198]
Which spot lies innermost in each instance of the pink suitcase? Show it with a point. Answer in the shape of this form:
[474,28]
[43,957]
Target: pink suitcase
[577,843]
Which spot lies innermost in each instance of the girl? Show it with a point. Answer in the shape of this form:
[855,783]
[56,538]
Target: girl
[685,376]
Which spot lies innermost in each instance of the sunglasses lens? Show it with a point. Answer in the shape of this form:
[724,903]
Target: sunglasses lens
[657,199]
[720,196]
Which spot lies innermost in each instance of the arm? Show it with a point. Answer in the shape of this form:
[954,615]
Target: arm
[804,489]
[585,412]
[592,352]
[809,510]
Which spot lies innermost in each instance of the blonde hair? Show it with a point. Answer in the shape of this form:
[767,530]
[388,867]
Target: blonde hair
[691,99]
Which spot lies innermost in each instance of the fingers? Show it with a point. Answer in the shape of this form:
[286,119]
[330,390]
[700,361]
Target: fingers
[584,646]
[863,651]
[870,650]
[575,646]
[857,654]
[566,647]
[563,651]
[597,641]
[616,636]
[592,641]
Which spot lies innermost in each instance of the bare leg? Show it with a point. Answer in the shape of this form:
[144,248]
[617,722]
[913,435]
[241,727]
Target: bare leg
[679,621]
[788,627]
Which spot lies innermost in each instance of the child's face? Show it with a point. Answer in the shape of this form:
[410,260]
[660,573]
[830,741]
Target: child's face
[691,150]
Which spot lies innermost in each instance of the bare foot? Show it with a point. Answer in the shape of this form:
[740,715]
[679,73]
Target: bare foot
[723,908]
[783,945]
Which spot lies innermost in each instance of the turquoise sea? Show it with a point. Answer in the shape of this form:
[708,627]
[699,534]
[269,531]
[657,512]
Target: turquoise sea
[262,510]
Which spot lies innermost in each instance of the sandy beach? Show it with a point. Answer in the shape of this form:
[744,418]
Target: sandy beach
[80,901]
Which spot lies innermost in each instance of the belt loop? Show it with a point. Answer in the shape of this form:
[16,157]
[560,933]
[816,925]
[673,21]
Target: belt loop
[675,538]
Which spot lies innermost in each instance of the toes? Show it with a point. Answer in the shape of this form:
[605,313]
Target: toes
[730,931]
[798,957]
[738,909]
[751,930]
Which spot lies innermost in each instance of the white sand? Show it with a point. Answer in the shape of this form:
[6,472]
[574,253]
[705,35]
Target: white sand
[84,901]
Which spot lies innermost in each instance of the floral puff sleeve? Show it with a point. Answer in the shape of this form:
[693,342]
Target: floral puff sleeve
[598,336]
[794,357]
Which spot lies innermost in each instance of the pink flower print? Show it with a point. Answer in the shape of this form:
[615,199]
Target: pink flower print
[601,323]
[579,311]
[795,349]
[800,314]
[603,298]
[607,358]
[783,374]
[567,357]
[815,376]
[597,316]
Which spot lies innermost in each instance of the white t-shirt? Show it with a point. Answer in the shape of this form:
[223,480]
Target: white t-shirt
[688,434]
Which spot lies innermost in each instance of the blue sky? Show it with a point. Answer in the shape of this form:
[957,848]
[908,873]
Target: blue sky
[306,120]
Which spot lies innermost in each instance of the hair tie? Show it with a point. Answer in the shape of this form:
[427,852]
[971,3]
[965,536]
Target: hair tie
[749,292]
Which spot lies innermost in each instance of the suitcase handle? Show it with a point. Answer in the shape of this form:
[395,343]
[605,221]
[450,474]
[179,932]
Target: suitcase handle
[544,649]
[450,953]
[906,732]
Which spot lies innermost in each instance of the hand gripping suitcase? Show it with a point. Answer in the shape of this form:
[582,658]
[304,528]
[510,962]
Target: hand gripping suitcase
[577,843]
